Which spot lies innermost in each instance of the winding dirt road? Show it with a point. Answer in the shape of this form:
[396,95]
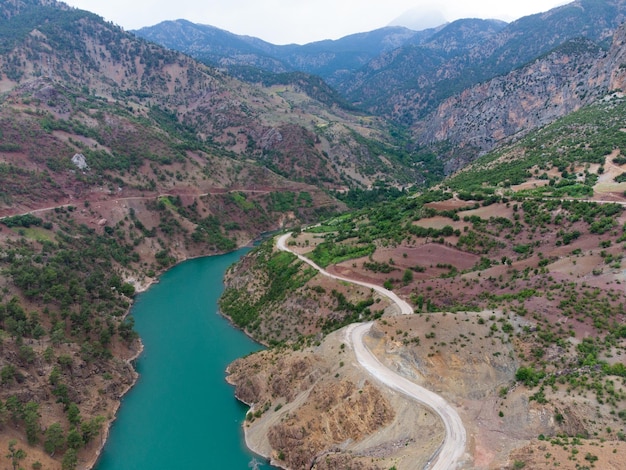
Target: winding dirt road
[453,446]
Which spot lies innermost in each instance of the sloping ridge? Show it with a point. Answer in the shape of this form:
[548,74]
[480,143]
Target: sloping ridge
[452,448]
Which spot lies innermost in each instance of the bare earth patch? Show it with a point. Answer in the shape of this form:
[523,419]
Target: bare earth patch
[319,407]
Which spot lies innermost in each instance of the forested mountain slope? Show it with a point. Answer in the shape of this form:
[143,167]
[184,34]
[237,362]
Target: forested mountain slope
[461,88]
[119,158]
[264,124]
[514,267]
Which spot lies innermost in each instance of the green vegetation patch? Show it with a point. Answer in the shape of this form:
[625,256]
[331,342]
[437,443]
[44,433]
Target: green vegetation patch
[328,253]
[36,233]
[283,274]
[25,221]
[209,231]
[581,138]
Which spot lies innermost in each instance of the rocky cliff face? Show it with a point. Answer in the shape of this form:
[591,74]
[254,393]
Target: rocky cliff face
[508,107]
[336,413]
[407,88]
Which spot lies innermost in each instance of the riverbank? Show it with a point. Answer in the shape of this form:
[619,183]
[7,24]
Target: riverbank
[142,285]
[312,423]
[317,406]
[181,373]
[105,433]
[250,444]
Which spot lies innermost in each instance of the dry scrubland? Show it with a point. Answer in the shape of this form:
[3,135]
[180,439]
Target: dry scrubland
[184,160]
[519,307]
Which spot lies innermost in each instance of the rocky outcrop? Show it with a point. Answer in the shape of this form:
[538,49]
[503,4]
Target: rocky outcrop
[508,107]
[309,410]
[345,413]
[80,162]
[288,377]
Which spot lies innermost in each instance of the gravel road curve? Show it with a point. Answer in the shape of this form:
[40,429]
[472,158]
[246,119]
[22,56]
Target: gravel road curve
[453,447]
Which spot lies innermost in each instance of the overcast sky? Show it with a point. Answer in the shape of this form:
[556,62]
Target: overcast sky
[301,21]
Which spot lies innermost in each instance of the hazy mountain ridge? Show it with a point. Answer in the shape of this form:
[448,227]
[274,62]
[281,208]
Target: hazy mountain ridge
[513,46]
[574,75]
[330,59]
[226,49]
[410,79]
[458,36]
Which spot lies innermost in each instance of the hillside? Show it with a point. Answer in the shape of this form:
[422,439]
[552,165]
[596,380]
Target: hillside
[399,73]
[514,269]
[118,159]
[461,89]
[506,108]
[330,59]
[407,97]
[264,124]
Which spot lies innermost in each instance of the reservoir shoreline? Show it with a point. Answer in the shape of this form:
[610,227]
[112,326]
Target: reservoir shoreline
[103,453]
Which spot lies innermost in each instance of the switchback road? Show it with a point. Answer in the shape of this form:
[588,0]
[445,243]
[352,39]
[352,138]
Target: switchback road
[453,447]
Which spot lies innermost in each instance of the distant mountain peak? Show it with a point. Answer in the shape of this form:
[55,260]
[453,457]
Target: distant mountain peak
[419,19]
[11,8]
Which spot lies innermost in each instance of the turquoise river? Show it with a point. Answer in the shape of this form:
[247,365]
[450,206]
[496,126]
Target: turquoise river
[182,414]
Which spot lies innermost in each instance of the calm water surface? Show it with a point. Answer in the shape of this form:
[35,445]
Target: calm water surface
[182,414]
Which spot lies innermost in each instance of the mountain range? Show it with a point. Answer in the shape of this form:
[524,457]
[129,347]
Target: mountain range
[122,153]
[407,76]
